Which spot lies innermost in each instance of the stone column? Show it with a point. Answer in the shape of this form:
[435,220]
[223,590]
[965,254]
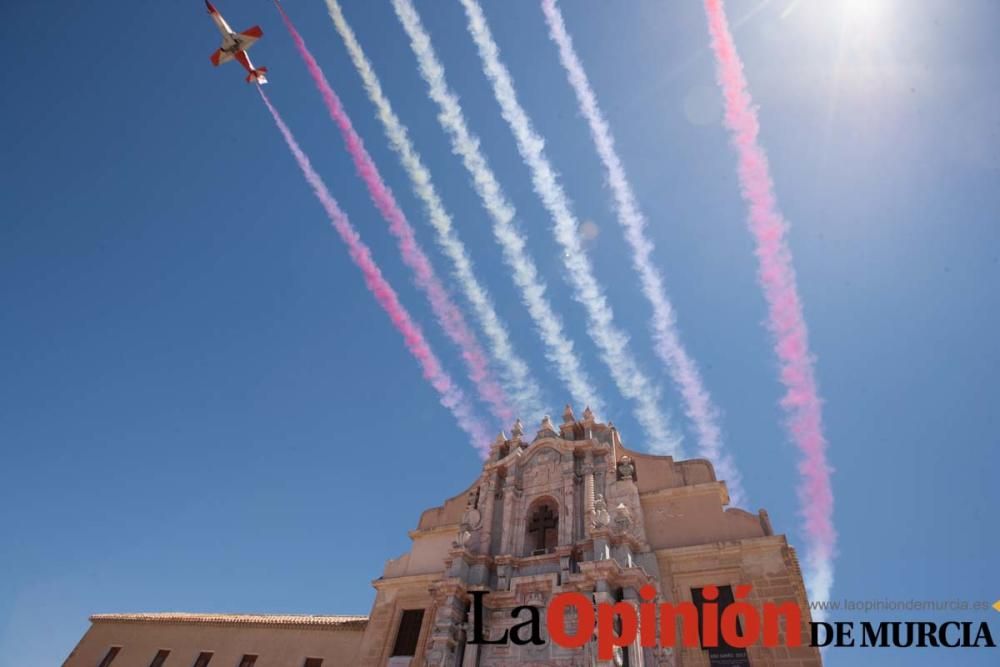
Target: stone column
[471,658]
[636,653]
[446,633]
[486,512]
[600,477]
[602,595]
[507,524]
[567,521]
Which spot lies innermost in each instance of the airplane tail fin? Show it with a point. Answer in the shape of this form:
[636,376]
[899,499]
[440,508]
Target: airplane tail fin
[257,76]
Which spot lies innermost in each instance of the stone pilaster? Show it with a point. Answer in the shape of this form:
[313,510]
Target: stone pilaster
[448,631]
[487,499]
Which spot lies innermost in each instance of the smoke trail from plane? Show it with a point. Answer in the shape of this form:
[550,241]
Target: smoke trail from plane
[520,384]
[682,368]
[612,341]
[450,395]
[801,402]
[448,314]
[558,347]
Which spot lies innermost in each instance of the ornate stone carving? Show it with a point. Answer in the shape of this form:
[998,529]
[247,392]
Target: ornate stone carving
[602,517]
[545,429]
[568,416]
[664,656]
[471,520]
[623,518]
[498,446]
[626,469]
[534,598]
[546,456]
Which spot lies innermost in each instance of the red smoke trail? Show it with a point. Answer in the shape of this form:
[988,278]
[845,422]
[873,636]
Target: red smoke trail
[444,308]
[451,396]
[777,277]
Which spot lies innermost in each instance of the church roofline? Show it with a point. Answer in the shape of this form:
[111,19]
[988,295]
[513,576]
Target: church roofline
[691,490]
[699,552]
[271,620]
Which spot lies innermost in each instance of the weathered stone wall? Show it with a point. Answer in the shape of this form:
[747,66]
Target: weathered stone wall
[392,598]
[277,642]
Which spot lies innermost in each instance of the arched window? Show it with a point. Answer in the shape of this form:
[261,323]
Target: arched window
[543,528]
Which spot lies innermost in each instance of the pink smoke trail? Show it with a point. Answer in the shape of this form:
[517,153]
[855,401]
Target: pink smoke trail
[447,313]
[668,347]
[451,396]
[801,402]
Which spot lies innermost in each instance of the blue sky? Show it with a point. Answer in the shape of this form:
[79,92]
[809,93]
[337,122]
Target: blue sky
[202,409]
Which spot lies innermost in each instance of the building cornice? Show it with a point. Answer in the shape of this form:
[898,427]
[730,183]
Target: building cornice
[254,620]
[689,490]
[406,579]
[427,532]
[698,552]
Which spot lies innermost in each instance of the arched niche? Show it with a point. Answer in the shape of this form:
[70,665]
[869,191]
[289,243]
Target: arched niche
[541,526]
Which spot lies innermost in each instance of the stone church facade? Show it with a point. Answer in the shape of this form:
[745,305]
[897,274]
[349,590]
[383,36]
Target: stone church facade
[569,509]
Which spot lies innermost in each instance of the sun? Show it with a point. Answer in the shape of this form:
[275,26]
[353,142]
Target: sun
[862,13]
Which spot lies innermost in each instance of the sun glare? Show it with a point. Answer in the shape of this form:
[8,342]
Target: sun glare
[862,13]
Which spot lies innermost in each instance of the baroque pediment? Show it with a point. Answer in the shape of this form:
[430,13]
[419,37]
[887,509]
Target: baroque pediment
[541,455]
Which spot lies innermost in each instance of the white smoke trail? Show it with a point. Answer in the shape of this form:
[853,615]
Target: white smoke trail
[518,380]
[559,348]
[682,368]
[449,315]
[611,340]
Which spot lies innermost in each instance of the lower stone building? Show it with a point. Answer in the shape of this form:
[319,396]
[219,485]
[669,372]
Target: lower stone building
[568,510]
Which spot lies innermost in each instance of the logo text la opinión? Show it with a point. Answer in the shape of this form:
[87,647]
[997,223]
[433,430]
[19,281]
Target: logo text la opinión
[739,625]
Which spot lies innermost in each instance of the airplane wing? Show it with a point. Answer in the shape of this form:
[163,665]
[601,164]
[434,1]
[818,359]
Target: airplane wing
[220,57]
[246,38]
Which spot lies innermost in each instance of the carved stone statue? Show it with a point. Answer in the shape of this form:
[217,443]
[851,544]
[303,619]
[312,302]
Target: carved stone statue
[472,519]
[623,518]
[626,469]
[601,516]
[463,538]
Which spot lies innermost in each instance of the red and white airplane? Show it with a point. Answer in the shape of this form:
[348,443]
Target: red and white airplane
[235,45]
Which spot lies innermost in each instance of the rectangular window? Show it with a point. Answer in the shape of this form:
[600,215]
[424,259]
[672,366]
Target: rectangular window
[409,632]
[160,658]
[248,661]
[313,662]
[112,652]
[722,655]
[203,659]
